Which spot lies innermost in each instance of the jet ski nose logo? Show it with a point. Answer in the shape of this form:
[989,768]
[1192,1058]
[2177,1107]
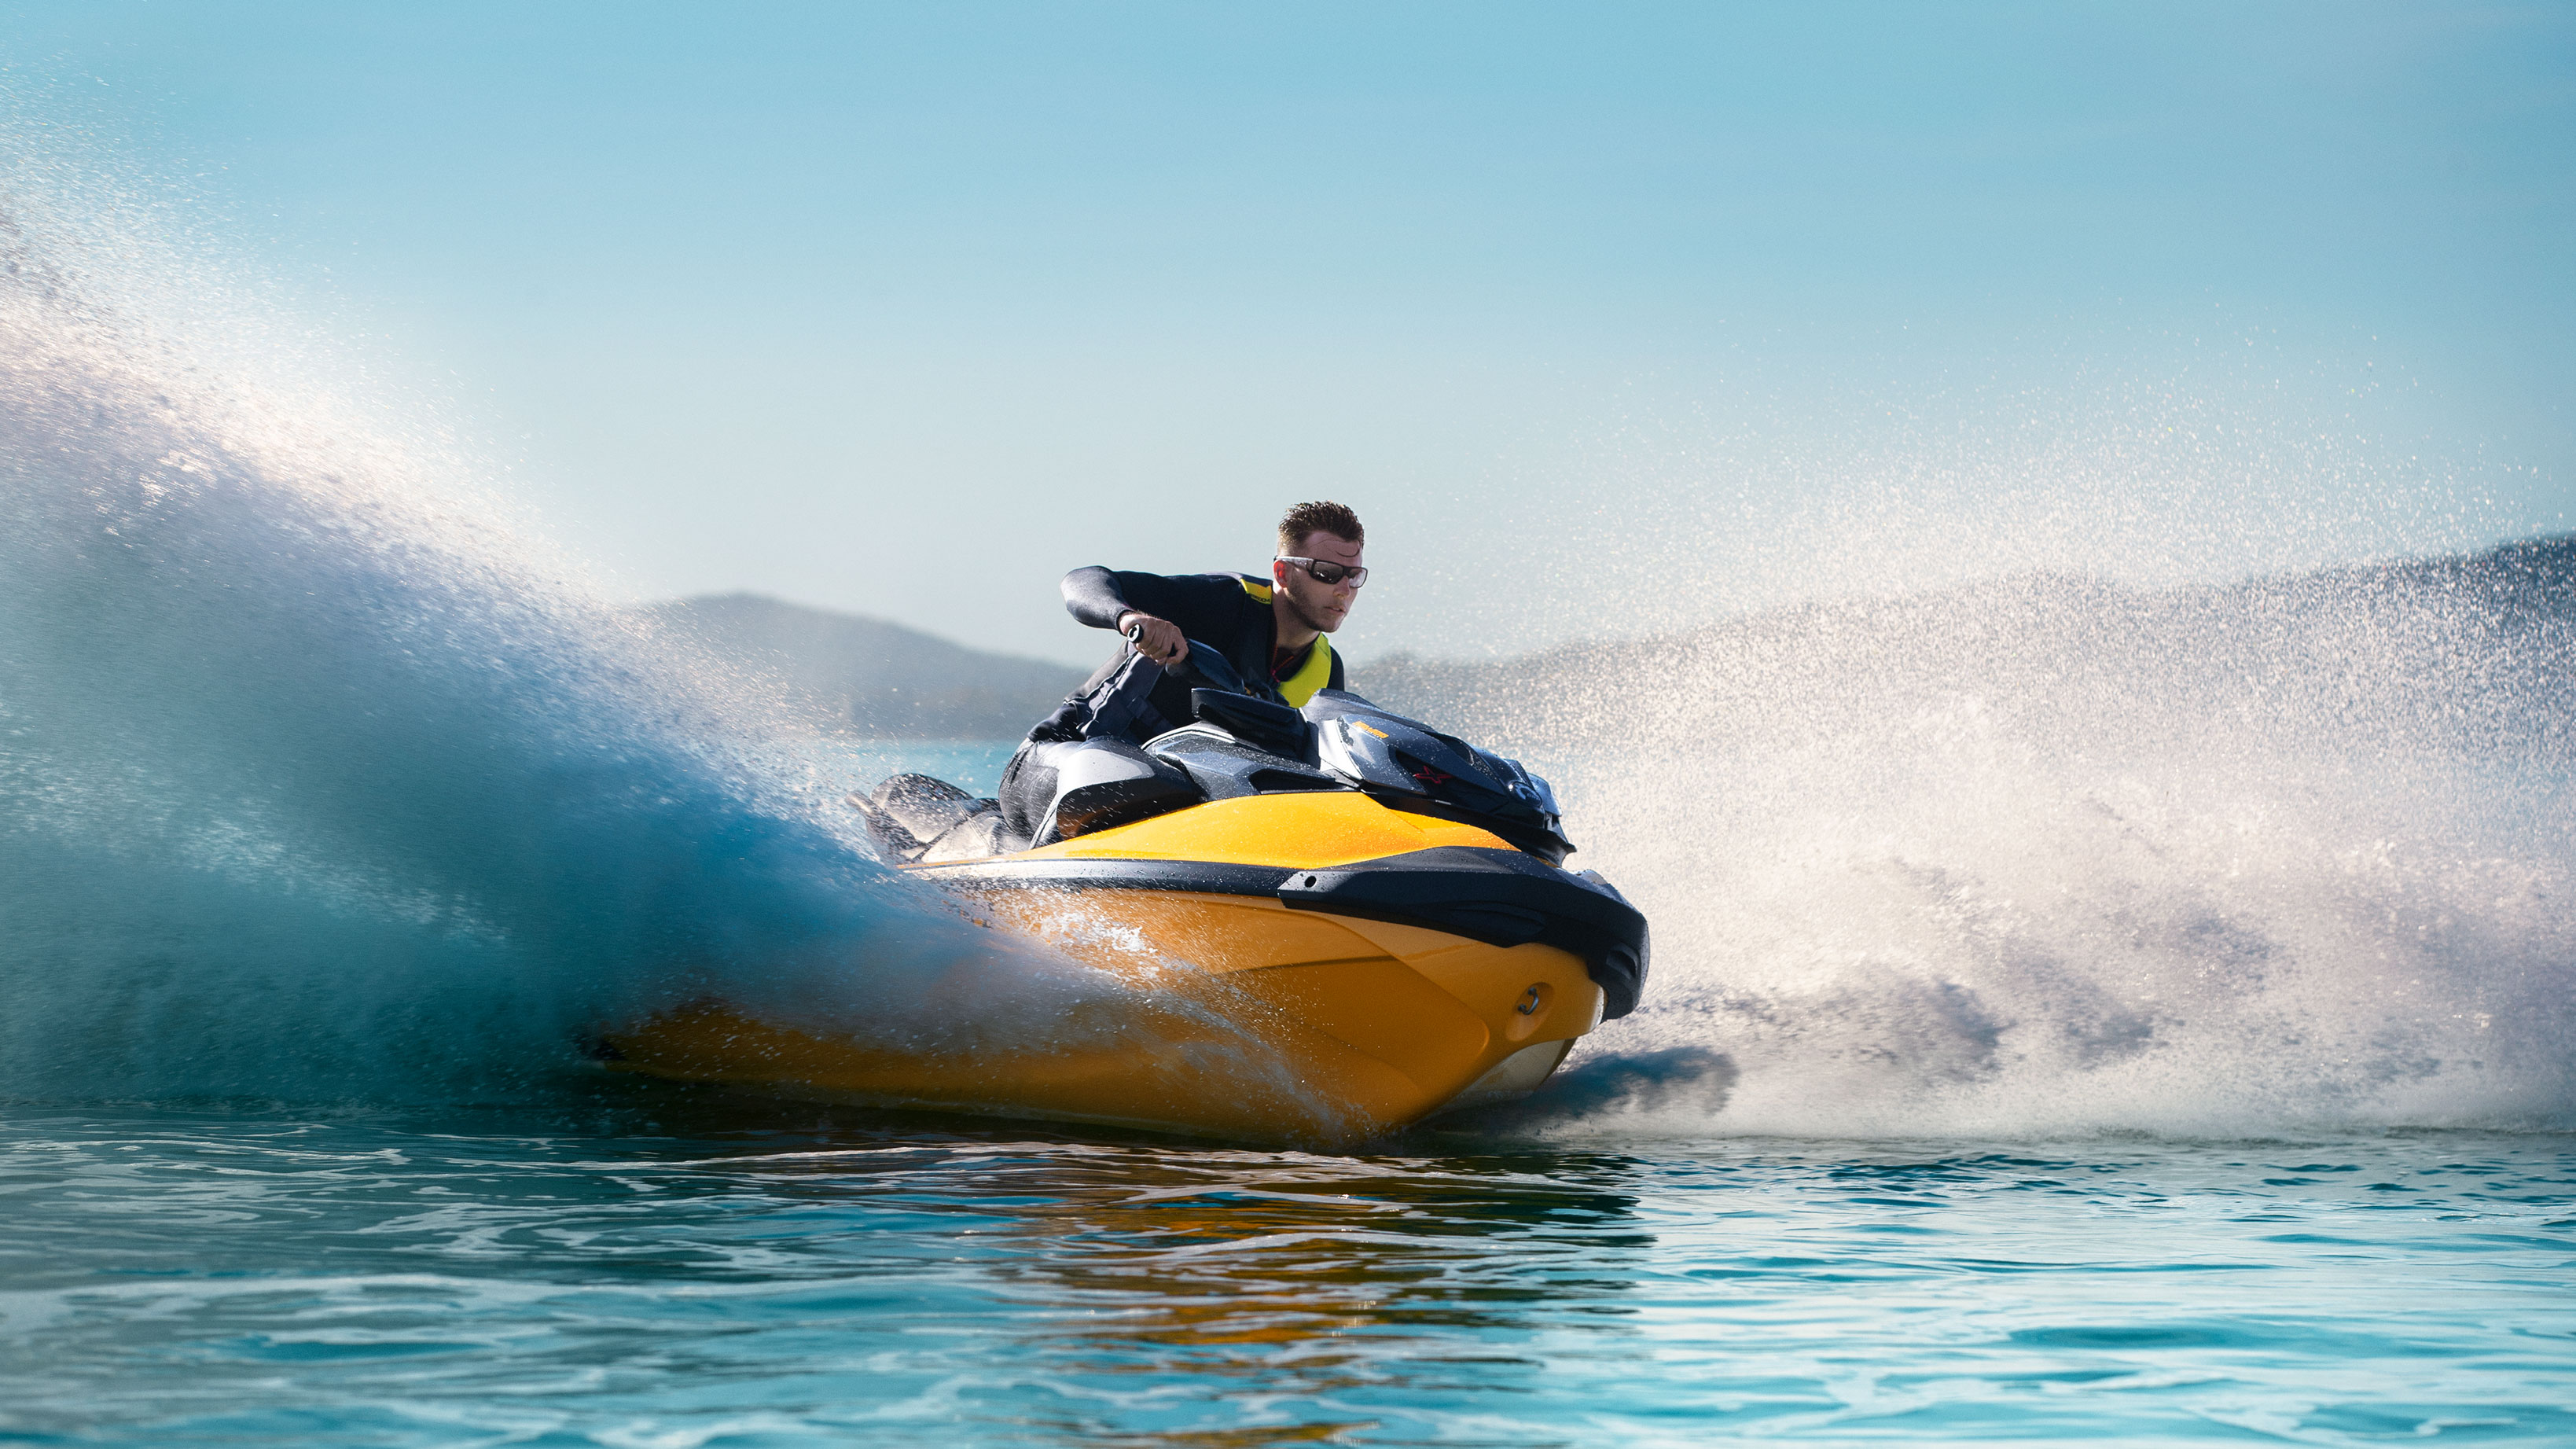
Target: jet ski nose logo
[1430,777]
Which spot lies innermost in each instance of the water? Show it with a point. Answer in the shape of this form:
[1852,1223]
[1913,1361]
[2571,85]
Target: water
[735,1273]
[2076,1013]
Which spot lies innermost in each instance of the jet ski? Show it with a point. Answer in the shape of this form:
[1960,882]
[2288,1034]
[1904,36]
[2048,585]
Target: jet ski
[1333,922]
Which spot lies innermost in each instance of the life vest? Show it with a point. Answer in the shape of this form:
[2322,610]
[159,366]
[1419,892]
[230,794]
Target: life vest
[1312,675]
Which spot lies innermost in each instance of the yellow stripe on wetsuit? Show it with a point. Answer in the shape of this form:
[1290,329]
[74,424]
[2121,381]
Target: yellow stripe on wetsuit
[1312,675]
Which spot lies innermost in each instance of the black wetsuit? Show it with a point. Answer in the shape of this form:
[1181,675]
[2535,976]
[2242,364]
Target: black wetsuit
[1131,699]
[1218,610]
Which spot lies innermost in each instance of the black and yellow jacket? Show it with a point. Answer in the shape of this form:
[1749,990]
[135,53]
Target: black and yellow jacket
[1228,612]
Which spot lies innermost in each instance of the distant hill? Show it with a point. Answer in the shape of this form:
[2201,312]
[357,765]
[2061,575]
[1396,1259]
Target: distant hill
[875,679]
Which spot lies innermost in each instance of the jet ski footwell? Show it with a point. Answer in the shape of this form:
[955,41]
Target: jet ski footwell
[1312,966]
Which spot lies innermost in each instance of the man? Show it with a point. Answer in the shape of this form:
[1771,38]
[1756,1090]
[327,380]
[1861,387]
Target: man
[1272,633]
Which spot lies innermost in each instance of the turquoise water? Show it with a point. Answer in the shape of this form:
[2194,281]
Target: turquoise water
[673,1268]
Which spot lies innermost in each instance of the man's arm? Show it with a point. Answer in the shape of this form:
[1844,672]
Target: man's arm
[1105,599]
[1092,595]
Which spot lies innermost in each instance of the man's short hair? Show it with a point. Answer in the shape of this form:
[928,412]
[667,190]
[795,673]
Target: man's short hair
[1306,518]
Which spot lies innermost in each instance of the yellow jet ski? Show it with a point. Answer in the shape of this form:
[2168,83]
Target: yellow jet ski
[1330,922]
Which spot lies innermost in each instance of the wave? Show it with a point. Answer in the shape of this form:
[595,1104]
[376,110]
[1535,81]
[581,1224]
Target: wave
[318,780]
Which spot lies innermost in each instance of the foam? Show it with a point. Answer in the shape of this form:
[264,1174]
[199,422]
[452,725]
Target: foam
[2048,857]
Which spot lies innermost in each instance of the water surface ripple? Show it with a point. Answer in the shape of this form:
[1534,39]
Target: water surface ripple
[202,1277]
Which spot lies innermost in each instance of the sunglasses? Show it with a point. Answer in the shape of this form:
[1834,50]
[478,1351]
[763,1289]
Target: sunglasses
[1323,571]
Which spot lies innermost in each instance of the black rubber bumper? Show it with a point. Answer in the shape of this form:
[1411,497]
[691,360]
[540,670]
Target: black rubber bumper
[1499,897]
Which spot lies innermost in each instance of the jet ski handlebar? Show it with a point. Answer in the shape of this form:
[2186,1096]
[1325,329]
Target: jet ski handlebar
[1200,666]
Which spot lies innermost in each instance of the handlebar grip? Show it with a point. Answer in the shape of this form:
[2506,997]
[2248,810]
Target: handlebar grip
[1136,635]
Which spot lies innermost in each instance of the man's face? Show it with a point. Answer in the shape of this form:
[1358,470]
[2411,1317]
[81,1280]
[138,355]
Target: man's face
[1319,607]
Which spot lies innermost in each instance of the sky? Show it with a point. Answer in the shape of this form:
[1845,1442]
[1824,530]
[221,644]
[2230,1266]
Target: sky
[1607,318]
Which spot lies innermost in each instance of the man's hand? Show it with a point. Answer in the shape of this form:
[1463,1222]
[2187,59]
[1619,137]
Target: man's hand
[1160,640]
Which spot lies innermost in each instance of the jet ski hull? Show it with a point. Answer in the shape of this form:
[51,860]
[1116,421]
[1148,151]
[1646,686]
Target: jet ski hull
[1265,996]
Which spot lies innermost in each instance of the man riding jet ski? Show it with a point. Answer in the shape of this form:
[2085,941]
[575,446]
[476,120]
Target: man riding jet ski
[1374,917]
[1272,633]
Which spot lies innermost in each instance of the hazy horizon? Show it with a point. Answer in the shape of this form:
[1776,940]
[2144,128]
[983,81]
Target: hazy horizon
[1408,654]
[1606,321]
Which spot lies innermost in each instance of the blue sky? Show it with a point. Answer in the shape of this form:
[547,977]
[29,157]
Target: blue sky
[1607,317]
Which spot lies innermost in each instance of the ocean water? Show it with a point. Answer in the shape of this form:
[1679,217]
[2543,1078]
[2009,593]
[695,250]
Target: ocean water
[2074,1014]
[689,1270]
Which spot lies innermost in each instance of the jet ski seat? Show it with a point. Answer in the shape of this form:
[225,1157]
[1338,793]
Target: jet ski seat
[1070,787]
[1057,789]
